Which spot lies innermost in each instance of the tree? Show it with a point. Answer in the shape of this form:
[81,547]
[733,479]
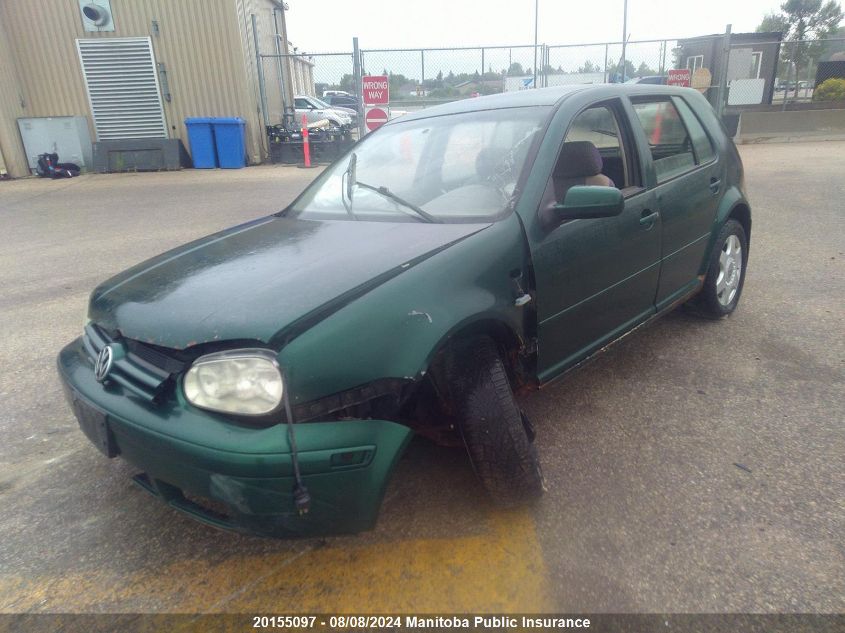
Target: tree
[589,67]
[805,22]
[515,69]
[833,46]
[396,81]
[644,70]
[347,83]
[615,70]
[773,23]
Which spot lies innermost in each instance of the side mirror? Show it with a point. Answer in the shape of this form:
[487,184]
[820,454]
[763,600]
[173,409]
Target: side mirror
[585,202]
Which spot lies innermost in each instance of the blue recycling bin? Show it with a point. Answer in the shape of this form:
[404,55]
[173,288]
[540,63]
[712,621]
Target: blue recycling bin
[229,137]
[201,139]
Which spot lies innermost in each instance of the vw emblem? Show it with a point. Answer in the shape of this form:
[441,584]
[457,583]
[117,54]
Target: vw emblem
[102,366]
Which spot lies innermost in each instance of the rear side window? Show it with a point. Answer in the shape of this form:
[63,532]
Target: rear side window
[668,139]
[704,152]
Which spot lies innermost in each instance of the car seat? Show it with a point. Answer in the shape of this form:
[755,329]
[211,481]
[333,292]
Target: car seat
[580,163]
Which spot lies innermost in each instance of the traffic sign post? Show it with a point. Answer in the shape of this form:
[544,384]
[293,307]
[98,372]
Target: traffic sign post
[375,118]
[679,77]
[375,89]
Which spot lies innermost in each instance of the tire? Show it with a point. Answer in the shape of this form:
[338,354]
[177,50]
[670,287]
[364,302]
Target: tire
[498,437]
[725,274]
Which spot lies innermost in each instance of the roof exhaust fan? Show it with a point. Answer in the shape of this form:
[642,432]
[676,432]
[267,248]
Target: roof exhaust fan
[96,15]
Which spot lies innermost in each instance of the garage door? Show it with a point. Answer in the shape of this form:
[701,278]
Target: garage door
[122,83]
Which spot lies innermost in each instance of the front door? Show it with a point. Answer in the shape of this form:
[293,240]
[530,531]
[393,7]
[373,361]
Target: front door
[596,278]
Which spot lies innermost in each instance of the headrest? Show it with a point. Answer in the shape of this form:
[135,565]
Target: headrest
[578,159]
[488,160]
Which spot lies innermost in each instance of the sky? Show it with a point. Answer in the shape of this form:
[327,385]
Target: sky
[329,25]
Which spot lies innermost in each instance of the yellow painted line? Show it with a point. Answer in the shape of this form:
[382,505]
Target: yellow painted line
[498,569]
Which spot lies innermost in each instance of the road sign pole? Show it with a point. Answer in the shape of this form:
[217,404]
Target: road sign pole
[356,70]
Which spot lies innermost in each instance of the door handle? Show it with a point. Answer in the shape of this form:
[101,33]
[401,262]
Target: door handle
[649,217]
[715,185]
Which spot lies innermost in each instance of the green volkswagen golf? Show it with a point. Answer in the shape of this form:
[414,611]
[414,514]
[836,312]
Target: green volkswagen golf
[267,378]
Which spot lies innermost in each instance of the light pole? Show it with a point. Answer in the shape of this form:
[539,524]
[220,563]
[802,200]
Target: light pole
[536,9]
[624,37]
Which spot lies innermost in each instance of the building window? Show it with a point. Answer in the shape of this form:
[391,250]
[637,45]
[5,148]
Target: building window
[756,63]
[695,62]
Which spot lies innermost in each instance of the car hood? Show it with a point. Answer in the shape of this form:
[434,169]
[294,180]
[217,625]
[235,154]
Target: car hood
[272,277]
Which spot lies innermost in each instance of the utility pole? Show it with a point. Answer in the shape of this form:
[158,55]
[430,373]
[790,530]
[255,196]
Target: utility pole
[624,38]
[536,24]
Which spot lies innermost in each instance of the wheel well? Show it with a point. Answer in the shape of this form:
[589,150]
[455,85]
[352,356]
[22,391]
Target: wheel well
[742,214]
[508,342]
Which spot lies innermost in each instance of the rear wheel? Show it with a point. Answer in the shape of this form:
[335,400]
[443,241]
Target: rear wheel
[498,436]
[725,275]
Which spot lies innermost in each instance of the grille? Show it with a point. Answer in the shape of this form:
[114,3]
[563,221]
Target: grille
[142,370]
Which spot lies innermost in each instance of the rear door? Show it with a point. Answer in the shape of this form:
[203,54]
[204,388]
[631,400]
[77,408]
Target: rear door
[596,278]
[687,180]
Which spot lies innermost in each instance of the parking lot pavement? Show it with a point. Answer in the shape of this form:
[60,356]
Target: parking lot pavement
[696,466]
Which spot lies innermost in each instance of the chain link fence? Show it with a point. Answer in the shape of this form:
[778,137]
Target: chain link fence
[746,70]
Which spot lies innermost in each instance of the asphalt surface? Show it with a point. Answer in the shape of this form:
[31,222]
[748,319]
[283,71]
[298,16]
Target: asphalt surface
[695,467]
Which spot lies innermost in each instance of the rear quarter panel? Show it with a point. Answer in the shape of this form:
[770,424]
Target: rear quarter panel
[734,175]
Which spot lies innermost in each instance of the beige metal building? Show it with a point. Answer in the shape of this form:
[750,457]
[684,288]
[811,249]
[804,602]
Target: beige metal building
[147,66]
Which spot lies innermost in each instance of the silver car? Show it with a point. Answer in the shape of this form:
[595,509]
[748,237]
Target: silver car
[316,110]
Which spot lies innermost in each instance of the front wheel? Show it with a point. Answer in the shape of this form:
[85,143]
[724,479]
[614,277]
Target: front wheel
[725,274]
[498,436]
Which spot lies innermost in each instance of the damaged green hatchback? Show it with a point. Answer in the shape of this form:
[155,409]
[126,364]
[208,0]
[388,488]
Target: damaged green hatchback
[268,377]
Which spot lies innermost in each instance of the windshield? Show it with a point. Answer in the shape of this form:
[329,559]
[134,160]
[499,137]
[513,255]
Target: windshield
[320,102]
[453,168]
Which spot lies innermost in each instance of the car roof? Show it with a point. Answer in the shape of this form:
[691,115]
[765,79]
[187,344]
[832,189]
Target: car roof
[539,97]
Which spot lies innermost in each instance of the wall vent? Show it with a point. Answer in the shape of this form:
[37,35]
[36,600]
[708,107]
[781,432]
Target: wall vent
[96,15]
[122,84]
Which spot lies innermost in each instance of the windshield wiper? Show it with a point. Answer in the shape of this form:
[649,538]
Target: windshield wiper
[387,193]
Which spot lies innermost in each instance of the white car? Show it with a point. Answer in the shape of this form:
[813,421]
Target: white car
[316,110]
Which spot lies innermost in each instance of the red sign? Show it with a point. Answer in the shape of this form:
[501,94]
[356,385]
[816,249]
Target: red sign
[375,118]
[680,77]
[375,89]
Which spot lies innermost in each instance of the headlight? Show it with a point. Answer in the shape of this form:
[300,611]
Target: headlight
[244,381]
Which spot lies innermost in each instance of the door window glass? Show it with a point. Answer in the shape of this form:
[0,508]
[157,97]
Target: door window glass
[598,125]
[704,152]
[668,139]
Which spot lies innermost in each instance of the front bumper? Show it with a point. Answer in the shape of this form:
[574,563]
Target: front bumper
[186,453]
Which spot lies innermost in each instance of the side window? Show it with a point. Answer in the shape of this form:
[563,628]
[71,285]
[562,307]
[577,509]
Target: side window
[300,104]
[704,152]
[598,126]
[670,144]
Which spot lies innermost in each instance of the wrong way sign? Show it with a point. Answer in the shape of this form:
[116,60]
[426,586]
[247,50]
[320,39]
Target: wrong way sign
[374,118]
[375,89]
[679,77]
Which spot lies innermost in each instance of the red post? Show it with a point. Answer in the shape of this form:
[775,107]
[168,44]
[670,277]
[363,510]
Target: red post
[306,148]
[658,126]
